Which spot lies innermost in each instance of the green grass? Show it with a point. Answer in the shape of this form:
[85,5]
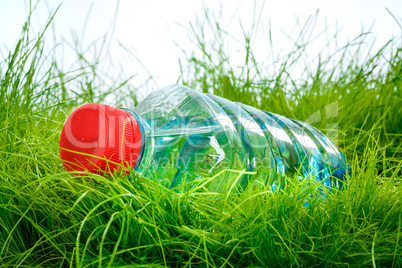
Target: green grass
[49,217]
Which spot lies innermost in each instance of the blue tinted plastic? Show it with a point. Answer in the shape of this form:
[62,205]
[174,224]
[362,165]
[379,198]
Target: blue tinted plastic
[191,135]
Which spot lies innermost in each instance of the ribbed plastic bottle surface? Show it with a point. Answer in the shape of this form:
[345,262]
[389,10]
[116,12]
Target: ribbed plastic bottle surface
[190,135]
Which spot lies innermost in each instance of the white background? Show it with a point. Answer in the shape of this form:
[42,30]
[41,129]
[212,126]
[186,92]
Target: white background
[150,29]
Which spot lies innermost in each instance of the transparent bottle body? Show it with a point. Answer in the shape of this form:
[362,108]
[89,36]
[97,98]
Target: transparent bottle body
[190,135]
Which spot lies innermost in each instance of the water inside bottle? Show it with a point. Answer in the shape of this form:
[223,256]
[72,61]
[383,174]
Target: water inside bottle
[190,135]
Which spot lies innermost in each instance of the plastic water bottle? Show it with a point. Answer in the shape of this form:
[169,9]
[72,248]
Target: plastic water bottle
[177,135]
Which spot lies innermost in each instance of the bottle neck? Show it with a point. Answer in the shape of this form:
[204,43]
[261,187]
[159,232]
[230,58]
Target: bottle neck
[141,141]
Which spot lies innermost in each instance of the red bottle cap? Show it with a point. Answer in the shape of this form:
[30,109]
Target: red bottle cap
[100,138]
